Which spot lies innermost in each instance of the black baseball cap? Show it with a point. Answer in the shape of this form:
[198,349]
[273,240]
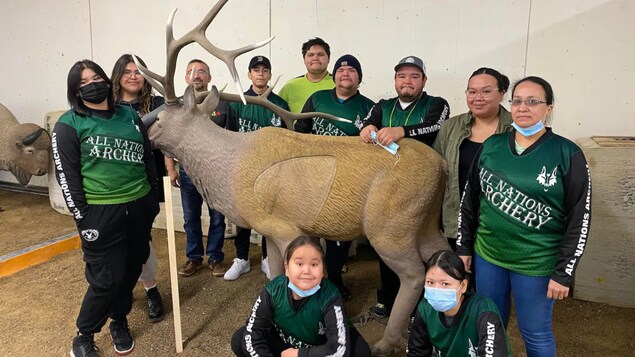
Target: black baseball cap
[259,60]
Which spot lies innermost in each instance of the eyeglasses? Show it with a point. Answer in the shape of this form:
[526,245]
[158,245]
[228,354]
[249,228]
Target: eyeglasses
[485,93]
[200,72]
[528,102]
[128,73]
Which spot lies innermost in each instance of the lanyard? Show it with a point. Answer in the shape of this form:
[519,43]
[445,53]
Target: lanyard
[408,117]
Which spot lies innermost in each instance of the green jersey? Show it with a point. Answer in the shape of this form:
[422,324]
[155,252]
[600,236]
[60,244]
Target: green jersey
[304,327]
[354,108]
[523,209]
[476,330]
[249,117]
[113,170]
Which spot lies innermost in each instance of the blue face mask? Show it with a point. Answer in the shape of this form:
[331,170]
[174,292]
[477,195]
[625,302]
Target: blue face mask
[441,300]
[303,293]
[531,130]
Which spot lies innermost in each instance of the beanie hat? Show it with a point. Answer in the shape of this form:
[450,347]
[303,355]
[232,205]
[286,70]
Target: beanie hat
[348,60]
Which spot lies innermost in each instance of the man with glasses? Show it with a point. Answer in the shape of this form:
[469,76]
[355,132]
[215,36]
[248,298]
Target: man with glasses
[198,75]
[412,114]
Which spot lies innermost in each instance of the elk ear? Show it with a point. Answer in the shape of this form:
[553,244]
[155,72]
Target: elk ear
[189,98]
[211,102]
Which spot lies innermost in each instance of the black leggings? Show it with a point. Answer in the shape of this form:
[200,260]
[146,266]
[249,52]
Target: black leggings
[359,346]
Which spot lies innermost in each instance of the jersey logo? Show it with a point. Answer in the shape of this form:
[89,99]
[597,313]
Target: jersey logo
[471,351]
[321,329]
[358,122]
[547,180]
[275,121]
[90,235]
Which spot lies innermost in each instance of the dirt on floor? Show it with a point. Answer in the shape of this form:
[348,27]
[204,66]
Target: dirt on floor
[39,305]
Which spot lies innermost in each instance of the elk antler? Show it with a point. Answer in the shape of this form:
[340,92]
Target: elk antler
[165,84]
[262,100]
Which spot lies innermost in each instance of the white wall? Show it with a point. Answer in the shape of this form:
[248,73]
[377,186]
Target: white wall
[582,47]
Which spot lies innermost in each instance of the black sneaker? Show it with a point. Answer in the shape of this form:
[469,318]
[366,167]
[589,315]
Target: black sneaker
[84,346]
[155,305]
[379,311]
[121,338]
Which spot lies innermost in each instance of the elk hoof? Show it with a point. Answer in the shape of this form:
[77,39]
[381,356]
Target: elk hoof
[383,349]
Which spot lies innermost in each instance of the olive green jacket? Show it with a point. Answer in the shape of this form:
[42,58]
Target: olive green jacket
[447,143]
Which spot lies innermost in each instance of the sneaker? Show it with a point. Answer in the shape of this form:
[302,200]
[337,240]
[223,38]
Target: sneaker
[264,266]
[121,338]
[190,268]
[379,311]
[238,268]
[155,305]
[217,268]
[84,346]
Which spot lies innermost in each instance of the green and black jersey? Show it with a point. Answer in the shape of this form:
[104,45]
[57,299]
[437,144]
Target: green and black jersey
[475,331]
[102,159]
[316,325]
[529,213]
[354,108]
[245,118]
[421,119]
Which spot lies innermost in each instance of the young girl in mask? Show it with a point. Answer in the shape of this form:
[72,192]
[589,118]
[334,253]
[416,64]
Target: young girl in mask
[299,313]
[104,164]
[525,216]
[449,321]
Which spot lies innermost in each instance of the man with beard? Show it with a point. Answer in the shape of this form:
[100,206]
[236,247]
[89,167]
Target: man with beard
[412,114]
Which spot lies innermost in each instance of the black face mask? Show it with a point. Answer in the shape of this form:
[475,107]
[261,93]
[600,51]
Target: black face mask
[95,92]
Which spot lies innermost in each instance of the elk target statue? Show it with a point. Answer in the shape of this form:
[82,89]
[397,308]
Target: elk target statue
[285,184]
[24,148]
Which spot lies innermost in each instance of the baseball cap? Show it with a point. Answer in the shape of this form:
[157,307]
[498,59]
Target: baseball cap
[259,60]
[413,61]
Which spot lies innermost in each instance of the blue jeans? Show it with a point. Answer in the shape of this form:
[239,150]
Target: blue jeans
[534,311]
[191,201]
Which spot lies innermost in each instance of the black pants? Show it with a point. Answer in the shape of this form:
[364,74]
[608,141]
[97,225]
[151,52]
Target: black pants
[336,255]
[359,346]
[115,246]
[388,285]
[241,241]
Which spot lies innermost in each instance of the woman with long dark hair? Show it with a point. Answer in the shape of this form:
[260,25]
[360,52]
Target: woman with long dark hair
[104,164]
[132,90]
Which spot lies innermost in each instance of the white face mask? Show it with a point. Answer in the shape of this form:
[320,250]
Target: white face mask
[440,299]
[532,129]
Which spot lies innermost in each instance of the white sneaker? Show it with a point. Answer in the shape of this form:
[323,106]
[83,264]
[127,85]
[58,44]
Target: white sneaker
[238,268]
[264,266]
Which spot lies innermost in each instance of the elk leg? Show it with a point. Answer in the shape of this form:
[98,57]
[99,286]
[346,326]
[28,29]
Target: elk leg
[275,258]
